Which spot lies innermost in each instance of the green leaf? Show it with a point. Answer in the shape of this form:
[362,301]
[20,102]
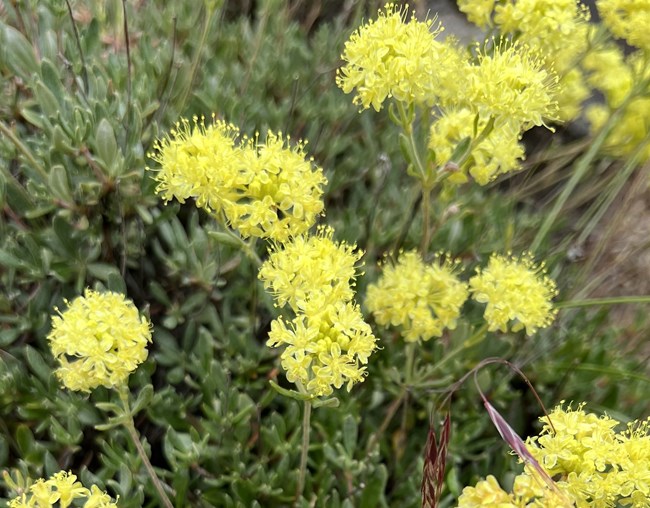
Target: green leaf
[46,100]
[17,53]
[226,239]
[58,183]
[37,364]
[143,400]
[106,145]
[24,439]
[350,431]
[374,491]
[103,271]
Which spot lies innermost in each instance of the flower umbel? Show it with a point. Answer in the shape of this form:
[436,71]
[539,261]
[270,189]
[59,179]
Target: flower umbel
[515,290]
[98,340]
[309,267]
[324,350]
[422,299]
[627,19]
[328,343]
[510,82]
[264,189]
[391,57]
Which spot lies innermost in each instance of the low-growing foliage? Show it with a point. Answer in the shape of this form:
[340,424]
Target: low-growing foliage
[250,254]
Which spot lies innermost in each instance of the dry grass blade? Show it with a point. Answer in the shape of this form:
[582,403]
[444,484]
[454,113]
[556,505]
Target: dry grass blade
[517,444]
[435,460]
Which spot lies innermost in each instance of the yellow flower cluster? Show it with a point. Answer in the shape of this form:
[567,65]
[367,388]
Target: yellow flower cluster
[557,30]
[517,290]
[592,464]
[264,189]
[499,153]
[527,492]
[328,342]
[60,490]
[595,464]
[396,56]
[627,19]
[618,77]
[98,340]
[422,299]
[510,82]
[505,85]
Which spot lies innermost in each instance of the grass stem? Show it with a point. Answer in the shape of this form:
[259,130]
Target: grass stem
[130,427]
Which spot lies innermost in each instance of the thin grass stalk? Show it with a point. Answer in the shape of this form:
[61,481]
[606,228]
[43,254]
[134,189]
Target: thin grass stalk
[580,170]
[130,427]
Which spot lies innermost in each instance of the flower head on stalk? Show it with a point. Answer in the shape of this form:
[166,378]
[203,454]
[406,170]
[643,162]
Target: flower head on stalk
[510,82]
[98,340]
[310,267]
[591,462]
[517,292]
[328,343]
[263,189]
[394,56]
[423,299]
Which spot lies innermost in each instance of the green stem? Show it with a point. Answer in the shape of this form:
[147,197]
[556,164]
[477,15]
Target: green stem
[426,219]
[414,152]
[410,362]
[24,150]
[306,419]
[130,427]
[615,300]
[476,338]
[390,413]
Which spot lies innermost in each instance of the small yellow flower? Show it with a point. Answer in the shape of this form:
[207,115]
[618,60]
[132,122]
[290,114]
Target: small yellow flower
[98,340]
[60,490]
[516,290]
[200,162]
[627,19]
[392,57]
[279,192]
[422,299]
[310,267]
[487,492]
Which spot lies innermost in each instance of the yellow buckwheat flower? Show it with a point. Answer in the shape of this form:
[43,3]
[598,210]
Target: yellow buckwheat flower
[200,162]
[516,290]
[60,490]
[98,340]
[528,491]
[308,266]
[392,57]
[627,19]
[324,349]
[422,299]
[595,464]
[328,343]
[511,82]
[264,189]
